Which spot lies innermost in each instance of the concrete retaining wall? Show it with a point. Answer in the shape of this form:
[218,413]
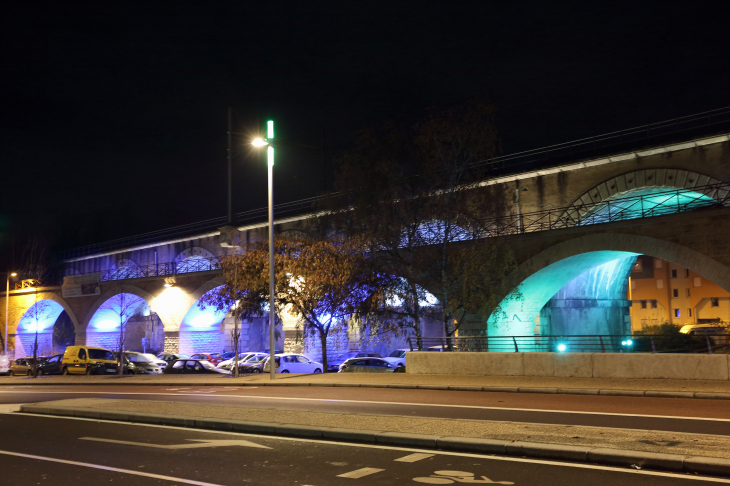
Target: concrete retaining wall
[578,365]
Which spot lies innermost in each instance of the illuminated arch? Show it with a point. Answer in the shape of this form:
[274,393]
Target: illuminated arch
[125,288]
[54,301]
[621,193]
[195,259]
[200,327]
[543,275]
[40,316]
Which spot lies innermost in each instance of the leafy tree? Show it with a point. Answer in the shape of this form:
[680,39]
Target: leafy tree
[417,195]
[325,281]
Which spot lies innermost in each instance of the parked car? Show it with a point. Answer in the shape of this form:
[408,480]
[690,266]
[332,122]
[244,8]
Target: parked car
[293,363]
[170,357]
[51,366]
[154,359]
[333,365]
[214,358]
[192,366]
[22,366]
[4,365]
[228,364]
[369,365]
[397,357]
[80,360]
[139,364]
[254,364]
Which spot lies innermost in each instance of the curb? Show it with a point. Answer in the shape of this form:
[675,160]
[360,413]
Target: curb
[500,389]
[595,455]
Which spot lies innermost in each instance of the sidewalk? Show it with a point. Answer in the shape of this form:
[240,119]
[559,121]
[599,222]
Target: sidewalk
[694,453]
[708,389]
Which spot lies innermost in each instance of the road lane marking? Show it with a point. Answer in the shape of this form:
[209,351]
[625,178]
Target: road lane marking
[201,443]
[107,468]
[403,449]
[440,405]
[359,473]
[413,457]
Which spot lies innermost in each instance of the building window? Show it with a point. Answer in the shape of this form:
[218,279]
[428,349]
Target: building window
[715,302]
[698,282]
[638,266]
[676,313]
[687,292]
[675,292]
[689,312]
[643,304]
[653,304]
[657,263]
[674,273]
[686,272]
[660,283]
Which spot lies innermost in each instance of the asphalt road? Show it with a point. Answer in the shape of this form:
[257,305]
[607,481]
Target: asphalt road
[64,451]
[667,414]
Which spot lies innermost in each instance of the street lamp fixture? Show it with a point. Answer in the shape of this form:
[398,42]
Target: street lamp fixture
[270,159]
[7,300]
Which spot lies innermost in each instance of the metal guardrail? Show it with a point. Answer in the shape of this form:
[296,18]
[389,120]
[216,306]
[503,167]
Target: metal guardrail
[594,343]
[674,130]
[161,269]
[611,210]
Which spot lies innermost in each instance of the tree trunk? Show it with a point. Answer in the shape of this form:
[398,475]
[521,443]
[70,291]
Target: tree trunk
[323,340]
[235,347]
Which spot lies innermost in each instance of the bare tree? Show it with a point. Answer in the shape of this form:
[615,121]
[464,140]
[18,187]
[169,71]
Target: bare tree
[123,306]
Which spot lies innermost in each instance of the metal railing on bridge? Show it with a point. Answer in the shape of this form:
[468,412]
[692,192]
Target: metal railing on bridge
[161,269]
[603,343]
[610,210]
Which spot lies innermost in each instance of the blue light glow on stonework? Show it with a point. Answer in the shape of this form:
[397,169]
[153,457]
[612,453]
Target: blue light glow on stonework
[116,311]
[41,316]
[205,319]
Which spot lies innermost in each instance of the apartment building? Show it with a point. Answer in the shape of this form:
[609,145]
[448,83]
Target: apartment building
[661,291]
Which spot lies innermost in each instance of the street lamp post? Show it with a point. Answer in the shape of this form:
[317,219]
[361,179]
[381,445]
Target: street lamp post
[7,300]
[270,159]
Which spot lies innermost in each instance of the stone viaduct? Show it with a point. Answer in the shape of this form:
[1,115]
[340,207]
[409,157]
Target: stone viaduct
[576,230]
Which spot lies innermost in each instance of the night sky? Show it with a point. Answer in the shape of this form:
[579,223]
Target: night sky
[114,113]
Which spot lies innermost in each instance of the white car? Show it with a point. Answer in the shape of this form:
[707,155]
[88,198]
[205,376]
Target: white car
[397,358]
[242,358]
[4,365]
[293,363]
[154,359]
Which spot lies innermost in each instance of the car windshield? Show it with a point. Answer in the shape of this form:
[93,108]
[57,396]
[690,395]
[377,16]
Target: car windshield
[137,358]
[256,359]
[346,356]
[183,356]
[397,354]
[151,357]
[101,354]
[207,364]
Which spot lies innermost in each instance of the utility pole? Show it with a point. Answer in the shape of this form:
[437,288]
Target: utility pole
[230,171]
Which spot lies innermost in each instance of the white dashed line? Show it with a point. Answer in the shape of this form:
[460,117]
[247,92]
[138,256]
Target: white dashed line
[413,457]
[359,473]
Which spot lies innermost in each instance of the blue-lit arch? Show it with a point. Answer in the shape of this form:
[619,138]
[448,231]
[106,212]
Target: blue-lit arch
[115,311]
[205,318]
[41,317]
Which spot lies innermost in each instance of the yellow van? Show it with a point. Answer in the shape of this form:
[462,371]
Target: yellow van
[88,360]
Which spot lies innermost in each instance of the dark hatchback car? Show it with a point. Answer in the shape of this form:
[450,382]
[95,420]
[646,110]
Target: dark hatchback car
[333,365]
[192,367]
[52,366]
[370,365]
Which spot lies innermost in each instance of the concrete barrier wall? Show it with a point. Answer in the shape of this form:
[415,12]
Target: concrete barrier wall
[578,365]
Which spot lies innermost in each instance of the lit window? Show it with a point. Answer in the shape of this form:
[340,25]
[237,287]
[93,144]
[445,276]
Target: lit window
[675,292]
[715,301]
[676,313]
[653,304]
[643,304]
[660,283]
[674,273]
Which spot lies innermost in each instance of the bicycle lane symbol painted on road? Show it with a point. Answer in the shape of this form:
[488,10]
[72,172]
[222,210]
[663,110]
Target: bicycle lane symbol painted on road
[451,477]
